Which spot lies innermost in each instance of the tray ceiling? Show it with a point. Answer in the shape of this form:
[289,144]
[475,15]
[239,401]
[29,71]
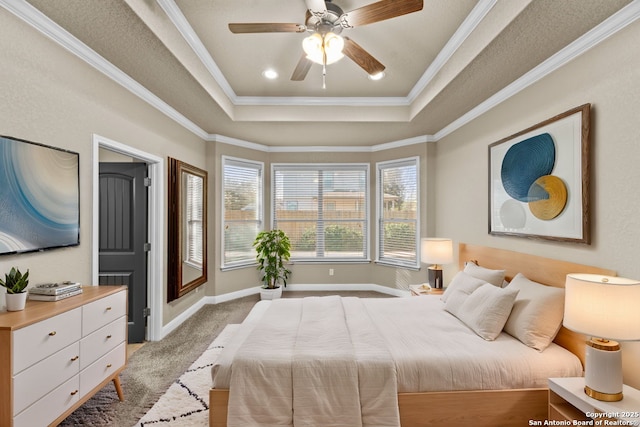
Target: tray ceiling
[441,62]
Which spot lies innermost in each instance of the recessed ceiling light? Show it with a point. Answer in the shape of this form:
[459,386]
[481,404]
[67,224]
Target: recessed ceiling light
[377,76]
[270,74]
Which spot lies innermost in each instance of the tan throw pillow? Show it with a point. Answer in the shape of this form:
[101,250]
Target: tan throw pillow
[463,282]
[495,277]
[487,309]
[537,312]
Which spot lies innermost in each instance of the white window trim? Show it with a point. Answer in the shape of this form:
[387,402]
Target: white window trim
[367,219]
[408,161]
[260,198]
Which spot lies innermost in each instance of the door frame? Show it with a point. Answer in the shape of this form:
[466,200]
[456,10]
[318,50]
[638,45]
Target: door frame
[156,212]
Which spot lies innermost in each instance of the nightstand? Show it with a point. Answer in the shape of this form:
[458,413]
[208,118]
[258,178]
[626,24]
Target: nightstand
[420,290]
[568,402]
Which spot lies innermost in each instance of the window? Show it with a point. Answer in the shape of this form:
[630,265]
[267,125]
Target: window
[194,233]
[323,210]
[242,185]
[398,212]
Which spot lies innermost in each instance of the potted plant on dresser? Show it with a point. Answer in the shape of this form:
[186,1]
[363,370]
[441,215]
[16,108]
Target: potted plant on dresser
[272,251]
[16,284]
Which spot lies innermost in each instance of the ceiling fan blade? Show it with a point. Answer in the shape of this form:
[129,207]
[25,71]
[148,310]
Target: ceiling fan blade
[316,7]
[266,28]
[361,57]
[301,69]
[379,11]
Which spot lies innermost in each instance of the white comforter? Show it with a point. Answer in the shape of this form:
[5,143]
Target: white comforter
[313,361]
[335,361]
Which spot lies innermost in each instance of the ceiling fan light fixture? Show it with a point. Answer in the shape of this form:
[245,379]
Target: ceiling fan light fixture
[323,49]
[377,76]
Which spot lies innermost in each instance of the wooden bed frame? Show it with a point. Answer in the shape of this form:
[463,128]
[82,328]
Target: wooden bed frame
[484,407]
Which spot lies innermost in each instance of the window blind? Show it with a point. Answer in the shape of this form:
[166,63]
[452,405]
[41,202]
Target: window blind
[243,213]
[194,227]
[398,208]
[323,208]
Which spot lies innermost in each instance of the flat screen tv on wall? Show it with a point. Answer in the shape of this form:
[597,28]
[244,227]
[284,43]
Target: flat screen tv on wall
[39,197]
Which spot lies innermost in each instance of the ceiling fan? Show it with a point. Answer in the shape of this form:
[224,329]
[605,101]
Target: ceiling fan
[325,20]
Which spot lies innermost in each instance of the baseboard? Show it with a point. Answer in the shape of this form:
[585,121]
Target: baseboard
[349,287]
[217,299]
[182,317]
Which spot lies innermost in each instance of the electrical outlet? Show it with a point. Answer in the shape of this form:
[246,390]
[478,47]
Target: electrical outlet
[331,272]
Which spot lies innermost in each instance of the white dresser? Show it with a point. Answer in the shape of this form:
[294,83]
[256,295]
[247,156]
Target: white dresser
[56,355]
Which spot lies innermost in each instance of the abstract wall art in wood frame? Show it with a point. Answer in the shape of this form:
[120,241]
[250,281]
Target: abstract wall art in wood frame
[539,180]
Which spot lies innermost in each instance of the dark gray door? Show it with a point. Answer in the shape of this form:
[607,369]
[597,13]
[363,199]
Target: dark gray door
[123,237]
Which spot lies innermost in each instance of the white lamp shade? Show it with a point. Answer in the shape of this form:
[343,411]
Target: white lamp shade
[436,251]
[602,306]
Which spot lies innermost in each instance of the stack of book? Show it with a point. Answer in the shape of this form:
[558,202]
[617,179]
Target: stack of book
[54,291]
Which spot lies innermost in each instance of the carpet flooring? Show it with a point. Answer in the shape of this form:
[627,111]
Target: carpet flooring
[153,368]
[186,403]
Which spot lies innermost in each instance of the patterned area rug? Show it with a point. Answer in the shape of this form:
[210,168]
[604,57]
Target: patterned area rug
[186,402]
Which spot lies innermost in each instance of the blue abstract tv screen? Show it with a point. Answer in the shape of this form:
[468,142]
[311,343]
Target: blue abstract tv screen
[39,197]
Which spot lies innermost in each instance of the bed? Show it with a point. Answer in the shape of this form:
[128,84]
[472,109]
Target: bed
[421,394]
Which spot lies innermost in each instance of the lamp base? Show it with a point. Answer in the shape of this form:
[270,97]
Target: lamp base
[603,370]
[604,397]
[435,277]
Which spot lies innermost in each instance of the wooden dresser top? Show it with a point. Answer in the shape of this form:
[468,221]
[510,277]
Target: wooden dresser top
[36,311]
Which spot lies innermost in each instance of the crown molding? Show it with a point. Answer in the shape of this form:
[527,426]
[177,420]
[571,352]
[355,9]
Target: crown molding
[321,149]
[336,101]
[237,142]
[598,34]
[462,33]
[178,19]
[50,29]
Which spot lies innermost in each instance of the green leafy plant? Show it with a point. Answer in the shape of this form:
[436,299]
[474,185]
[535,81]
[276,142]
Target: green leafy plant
[15,282]
[272,251]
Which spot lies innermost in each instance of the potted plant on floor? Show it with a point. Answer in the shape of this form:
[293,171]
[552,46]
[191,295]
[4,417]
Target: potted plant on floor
[272,251]
[16,284]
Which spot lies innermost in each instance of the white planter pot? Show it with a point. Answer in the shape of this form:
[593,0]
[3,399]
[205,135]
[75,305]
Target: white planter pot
[266,293]
[16,302]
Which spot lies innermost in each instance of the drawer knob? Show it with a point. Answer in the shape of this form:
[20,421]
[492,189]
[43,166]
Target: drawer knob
[74,358]
[52,333]
[108,308]
[109,365]
[74,392]
[108,336]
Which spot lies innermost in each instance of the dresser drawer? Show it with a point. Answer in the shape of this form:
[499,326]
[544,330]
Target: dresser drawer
[102,341]
[103,311]
[47,409]
[102,369]
[40,340]
[38,380]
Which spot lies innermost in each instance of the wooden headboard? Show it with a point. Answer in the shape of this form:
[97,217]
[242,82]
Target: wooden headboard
[547,271]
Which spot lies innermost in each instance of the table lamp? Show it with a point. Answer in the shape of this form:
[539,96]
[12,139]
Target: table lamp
[606,309]
[436,251]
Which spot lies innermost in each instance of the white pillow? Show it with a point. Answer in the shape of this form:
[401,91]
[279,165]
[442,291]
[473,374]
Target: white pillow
[486,310]
[495,277]
[464,282]
[537,312]
[459,290]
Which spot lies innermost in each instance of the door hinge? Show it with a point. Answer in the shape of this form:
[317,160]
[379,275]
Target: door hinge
[147,247]
[146,312]
[147,182]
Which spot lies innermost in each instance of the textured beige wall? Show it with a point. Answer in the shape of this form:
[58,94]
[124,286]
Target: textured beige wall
[50,96]
[607,77]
